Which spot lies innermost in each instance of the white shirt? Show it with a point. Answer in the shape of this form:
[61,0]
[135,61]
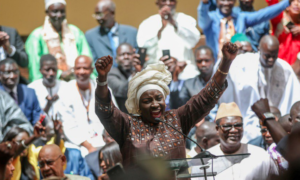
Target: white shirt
[77,126]
[258,166]
[248,81]
[42,92]
[179,43]
[14,90]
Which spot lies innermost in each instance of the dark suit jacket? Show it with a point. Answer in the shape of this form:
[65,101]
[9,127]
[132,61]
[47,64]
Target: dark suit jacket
[20,55]
[28,103]
[118,82]
[100,44]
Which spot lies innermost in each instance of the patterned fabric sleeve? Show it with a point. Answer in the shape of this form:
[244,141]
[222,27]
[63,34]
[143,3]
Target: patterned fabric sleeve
[200,105]
[115,122]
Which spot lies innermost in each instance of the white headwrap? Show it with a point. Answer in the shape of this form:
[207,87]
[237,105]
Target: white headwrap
[50,2]
[154,76]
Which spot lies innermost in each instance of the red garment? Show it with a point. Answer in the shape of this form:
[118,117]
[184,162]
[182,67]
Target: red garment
[289,44]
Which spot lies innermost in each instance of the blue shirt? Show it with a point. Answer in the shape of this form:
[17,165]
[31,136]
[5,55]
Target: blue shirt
[209,21]
[255,33]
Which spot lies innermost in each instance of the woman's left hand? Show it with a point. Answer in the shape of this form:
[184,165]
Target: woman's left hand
[229,51]
[295,30]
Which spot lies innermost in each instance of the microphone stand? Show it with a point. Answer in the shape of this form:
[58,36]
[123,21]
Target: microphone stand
[203,154]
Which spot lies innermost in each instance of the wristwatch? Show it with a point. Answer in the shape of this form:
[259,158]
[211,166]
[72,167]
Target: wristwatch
[268,116]
[101,83]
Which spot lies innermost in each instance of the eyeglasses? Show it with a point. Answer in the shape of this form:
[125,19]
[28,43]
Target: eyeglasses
[7,73]
[42,164]
[99,15]
[264,131]
[238,126]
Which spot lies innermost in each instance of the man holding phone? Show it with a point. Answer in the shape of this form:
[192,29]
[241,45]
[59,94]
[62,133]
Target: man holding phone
[128,64]
[170,30]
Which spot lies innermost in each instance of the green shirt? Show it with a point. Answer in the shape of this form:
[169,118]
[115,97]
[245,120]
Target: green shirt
[36,47]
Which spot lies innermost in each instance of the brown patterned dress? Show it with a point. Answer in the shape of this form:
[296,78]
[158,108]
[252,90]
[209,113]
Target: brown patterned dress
[134,135]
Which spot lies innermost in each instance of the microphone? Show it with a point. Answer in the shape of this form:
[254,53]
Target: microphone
[203,154]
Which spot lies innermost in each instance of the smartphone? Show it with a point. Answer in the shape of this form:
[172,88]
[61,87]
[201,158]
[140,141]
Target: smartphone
[116,172]
[166,53]
[142,52]
[290,25]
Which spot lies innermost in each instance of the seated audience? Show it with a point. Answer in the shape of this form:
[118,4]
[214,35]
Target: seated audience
[22,95]
[105,38]
[26,164]
[170,30]
[242,42]
[52,161]
[220,25]
[128,66]
[286,27]
[49,88]
[258,165]
[11,115]
[109,156]
[261,75]
[205,62]
[12,46]
[64,41]
[206,136]
[256,32]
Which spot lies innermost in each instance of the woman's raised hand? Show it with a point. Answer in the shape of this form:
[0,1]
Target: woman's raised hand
[103,66]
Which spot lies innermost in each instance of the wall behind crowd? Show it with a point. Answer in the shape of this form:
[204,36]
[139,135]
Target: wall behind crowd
[26,15]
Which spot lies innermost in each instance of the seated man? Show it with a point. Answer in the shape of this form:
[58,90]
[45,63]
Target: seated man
[286,123]
[77,109]
[258,165]
[64,41]
[11,115]
[105,38]
[128,65]
[220,25]
[207,136]
[205,62]
[51,162]
[295,113]
[170,30]
[12,46]
[23,96]
[49,88]
[261,75]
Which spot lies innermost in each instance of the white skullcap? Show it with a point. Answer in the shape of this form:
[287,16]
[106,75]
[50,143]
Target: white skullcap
[154,76]
[50,2]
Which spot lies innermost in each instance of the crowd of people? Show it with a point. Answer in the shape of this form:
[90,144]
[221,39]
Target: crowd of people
[101,100]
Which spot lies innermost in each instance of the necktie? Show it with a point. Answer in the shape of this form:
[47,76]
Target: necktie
[227,30]
[113,47]
[12,94]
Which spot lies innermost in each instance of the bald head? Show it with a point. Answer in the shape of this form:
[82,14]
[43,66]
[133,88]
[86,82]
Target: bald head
[207,135]
[51,161]
[83,69]
[269,47]
[106,4]
[285,122]
[295,112]
[276,112]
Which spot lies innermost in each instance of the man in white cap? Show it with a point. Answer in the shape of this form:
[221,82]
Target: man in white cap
[229,124]
[64,41]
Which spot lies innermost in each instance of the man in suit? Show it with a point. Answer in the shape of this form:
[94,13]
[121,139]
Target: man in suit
[23,96]
[11,45]
[105,39]
[205,62]
[128,65]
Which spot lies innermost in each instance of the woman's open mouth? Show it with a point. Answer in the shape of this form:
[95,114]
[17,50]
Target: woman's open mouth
[156,114]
